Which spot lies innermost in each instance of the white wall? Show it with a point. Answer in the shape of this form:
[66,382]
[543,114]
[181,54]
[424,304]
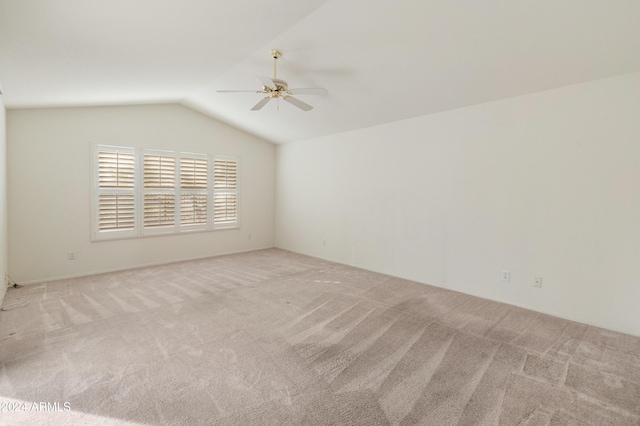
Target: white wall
[546,184]
[3,202]
[49,174]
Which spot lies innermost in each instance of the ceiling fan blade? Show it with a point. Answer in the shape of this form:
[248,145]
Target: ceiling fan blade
[297,102]
[260,104]
[267,82]
[309,91]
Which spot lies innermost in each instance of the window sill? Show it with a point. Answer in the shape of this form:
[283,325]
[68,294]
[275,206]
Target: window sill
[114,237]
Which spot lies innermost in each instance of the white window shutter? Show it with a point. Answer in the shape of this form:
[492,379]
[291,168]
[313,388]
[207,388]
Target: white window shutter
[225,192]
[159,202]
[115,189]
[116,211]
[139,192]
[193,172]
[115,169]
[159,171]
[193,190]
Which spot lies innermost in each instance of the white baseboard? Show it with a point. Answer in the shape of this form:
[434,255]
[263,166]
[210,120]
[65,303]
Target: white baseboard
[493,299]
[146,265]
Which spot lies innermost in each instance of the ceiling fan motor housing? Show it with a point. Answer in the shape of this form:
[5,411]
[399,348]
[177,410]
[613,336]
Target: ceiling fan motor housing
[280,84]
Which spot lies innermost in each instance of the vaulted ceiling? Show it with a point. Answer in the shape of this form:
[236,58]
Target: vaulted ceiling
[380,61]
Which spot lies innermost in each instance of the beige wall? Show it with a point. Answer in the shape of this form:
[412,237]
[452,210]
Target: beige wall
[49,153]
[546,184]
[3,202]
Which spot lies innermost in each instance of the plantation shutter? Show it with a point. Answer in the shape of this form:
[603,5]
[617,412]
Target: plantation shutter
[193,190]
[159,176]
[116,189]
[138,192]
[225,192]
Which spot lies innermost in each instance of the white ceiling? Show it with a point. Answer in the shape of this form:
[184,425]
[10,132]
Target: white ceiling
[381,61]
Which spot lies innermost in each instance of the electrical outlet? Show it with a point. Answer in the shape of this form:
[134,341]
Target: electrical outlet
[71,255]
[324,242]
[249,237]
[506,275]
[537,282]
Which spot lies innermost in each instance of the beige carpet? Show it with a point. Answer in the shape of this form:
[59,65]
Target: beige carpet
[275,338]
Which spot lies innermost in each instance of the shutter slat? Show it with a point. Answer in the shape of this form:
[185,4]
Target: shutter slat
[225,181]
[224,208]
[225,174]
[159,172]
[193,209]
[193,177]
[193,173]
[116,170]
[159,210]
[115,211]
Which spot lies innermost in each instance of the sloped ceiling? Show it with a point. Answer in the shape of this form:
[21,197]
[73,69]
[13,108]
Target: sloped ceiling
[380,61]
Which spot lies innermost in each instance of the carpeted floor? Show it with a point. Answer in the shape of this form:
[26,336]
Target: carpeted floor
[275,338]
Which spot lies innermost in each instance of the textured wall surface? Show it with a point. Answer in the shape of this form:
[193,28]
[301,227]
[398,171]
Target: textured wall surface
[50,166]
[544,185]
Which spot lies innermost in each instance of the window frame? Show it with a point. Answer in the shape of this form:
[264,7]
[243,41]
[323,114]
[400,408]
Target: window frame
[143,191]
[230,225]
[96,191]
[139,191]
[208,191]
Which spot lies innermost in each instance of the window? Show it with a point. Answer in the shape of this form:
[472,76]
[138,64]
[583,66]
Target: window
[114,199]
[194,194]
[159,175]
[171,190]
[225,192]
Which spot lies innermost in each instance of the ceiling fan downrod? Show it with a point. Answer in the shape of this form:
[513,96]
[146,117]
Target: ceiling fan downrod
[275,54]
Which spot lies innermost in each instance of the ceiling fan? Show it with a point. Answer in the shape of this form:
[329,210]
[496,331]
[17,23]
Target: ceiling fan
[275,88]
